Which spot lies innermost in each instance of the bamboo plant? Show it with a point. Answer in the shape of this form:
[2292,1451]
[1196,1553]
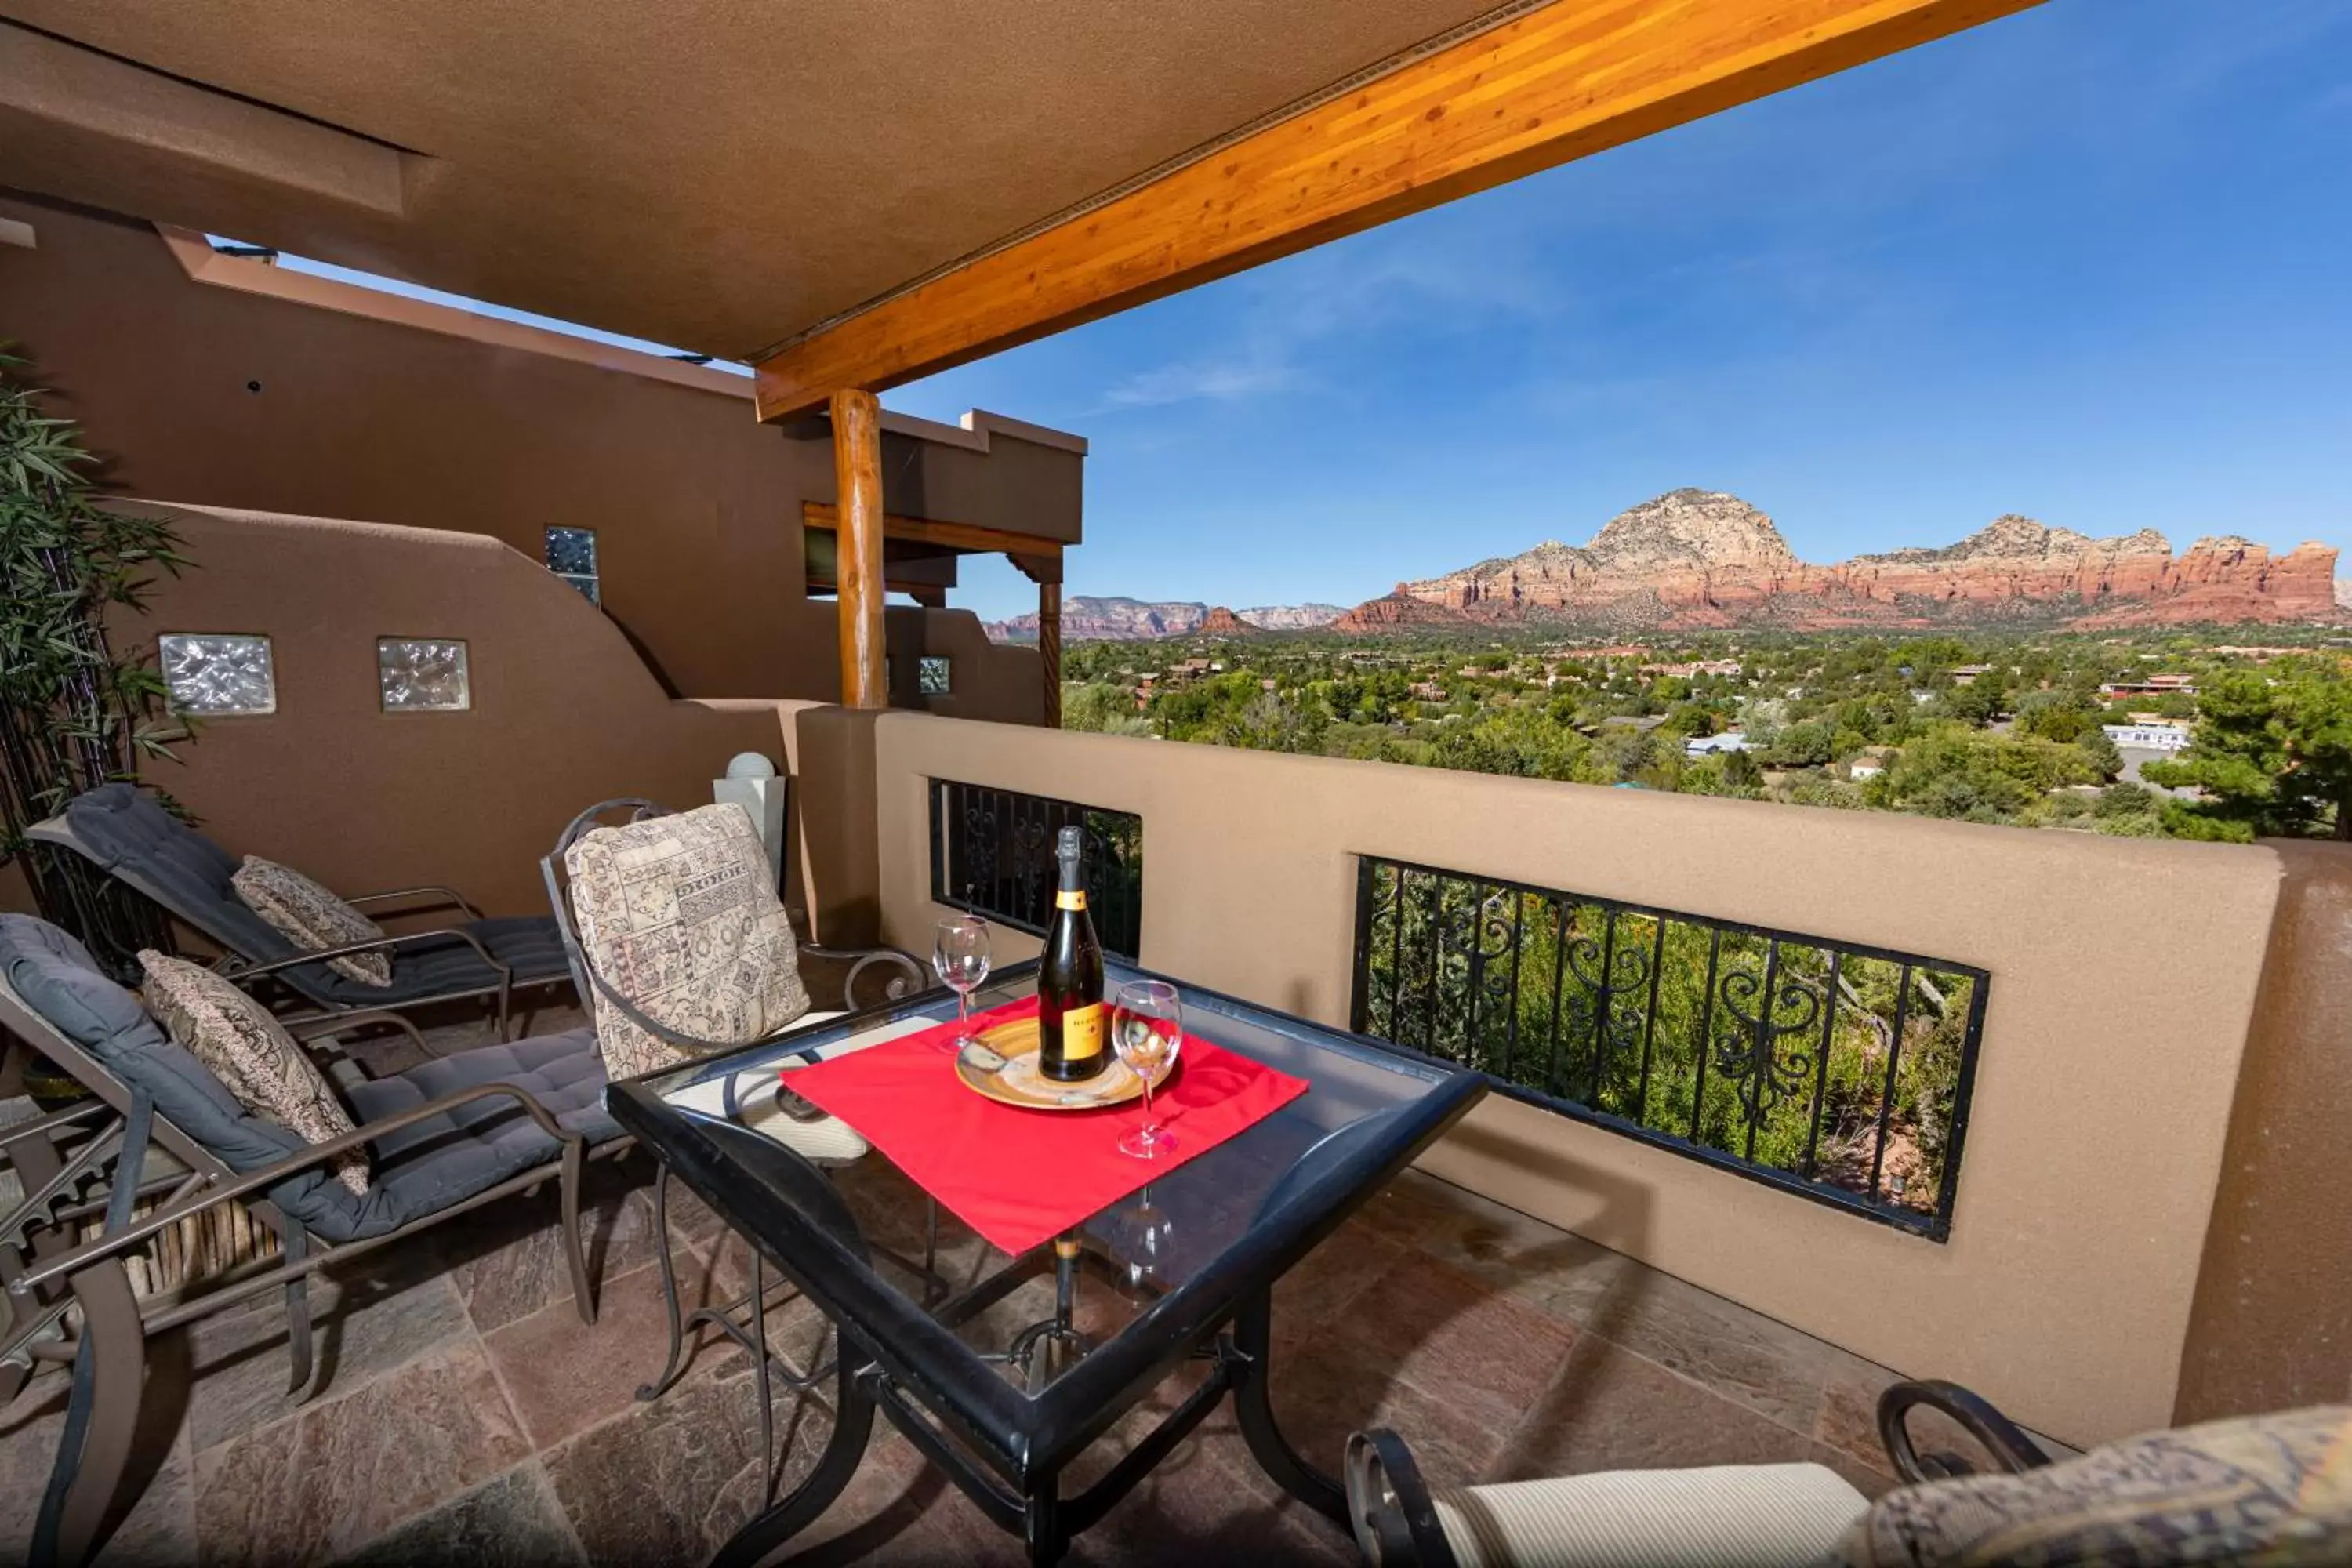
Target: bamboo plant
[74,714]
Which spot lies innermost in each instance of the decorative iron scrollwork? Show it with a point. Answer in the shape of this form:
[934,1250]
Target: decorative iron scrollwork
[979,846]
[1717,1038]
[1760,1001]
[992,854]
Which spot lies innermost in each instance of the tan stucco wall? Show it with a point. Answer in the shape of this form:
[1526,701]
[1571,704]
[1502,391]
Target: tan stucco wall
[563,715]
[2273,1325]
[2123,977]
[696,508]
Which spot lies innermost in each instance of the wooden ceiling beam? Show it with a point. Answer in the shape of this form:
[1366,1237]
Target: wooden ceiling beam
[1557,83]
[954,536]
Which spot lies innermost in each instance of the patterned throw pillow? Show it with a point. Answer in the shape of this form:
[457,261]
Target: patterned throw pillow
[680,914]
[2271,1491]
[252,1055]
[311,918]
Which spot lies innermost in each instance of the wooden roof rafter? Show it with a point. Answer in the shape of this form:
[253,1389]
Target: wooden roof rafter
[969,536]
[1544,87]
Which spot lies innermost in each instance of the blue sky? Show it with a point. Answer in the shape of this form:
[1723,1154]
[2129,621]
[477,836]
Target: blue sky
[2093,264]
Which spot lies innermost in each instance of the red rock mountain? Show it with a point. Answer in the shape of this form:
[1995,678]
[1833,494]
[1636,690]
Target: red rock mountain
[1695,559]
[1221,622]
[1401,610]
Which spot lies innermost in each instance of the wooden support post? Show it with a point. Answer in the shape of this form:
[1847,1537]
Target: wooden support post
[857,484]
[1049,648]
[1045,569]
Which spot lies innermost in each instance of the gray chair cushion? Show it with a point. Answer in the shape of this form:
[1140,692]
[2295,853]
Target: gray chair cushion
[56,976]
[191,876]
[418,1170]
[178,868]
[528,944]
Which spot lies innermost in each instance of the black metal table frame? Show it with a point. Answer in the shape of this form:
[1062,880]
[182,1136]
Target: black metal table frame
[1003,1449]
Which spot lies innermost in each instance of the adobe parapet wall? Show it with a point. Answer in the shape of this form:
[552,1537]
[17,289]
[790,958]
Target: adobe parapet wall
[2127,983]
[207,378]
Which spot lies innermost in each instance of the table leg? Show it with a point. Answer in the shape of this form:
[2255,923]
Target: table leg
[1044,1535]
[853,1423]
[674,1366]
[1254,1337]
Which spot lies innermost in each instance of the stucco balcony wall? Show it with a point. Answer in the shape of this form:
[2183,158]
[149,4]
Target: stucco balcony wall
[2125,983]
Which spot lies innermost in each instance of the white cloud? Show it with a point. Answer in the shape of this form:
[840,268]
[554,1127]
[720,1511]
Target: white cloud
[1210,380]
[1283,313]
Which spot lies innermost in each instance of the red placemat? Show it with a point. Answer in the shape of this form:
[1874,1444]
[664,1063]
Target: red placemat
[1022,1177]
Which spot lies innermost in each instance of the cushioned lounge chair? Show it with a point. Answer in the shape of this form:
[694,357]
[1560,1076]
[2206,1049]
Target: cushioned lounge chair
[121,829]
[1765,1516]
[445,1137]
[2267,1489]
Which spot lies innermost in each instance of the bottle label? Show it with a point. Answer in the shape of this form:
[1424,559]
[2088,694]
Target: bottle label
[1070,899]
[1082,1033]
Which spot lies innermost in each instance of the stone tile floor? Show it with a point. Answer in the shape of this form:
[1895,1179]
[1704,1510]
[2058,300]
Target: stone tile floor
[461,1413]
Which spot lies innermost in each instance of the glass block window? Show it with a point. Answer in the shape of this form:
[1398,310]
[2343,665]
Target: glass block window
[936,675]
[218,673]
[423,675]
[571,555]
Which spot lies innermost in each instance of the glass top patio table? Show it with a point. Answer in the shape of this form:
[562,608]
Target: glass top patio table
[1021,1361]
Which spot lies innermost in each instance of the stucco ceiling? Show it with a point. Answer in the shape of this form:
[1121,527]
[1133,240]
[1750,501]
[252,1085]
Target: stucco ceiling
[719,175]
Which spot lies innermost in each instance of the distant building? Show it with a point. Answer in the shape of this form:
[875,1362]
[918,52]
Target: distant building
[2162,737]
[1713,745]
[1869,762]
[1965,674]
[2154,685]
[1628,721]
[1427,691]
[1697,667]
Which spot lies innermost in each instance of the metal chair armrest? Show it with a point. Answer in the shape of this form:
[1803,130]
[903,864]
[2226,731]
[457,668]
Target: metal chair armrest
[2007,1442]
[162,1219]
[1388,1508]
[53,1120]
[320,955]
[863,958]
[446,896]
[328,1025]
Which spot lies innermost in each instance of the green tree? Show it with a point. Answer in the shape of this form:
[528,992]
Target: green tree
[1101,706]
[1806,745]
[2272,754]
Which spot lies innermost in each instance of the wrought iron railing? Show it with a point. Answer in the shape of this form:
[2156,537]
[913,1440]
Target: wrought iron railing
[1838,1071]
[992,854]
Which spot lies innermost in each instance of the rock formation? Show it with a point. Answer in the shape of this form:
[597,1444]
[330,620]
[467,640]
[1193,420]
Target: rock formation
[1089,619]
[1401,610]
[1221,622]
[1695,559]
[1292,617]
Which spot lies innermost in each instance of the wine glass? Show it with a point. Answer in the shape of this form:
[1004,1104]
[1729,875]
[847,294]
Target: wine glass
[1147,1027]
[960,955]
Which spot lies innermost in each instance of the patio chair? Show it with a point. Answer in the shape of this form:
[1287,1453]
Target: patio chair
[823,1141]
[124,831]
[596,989]
[447,1136]
[2267,1489]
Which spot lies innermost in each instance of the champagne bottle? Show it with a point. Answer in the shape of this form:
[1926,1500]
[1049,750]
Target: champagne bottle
[1070,1021]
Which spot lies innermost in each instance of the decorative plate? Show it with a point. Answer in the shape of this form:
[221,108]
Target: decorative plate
[1018,1081]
